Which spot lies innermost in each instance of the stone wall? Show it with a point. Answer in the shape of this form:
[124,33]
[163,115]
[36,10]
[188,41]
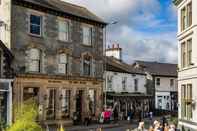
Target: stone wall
[22,40]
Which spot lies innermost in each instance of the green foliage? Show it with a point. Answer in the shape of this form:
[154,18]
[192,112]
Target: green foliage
[174,120]
[25,117]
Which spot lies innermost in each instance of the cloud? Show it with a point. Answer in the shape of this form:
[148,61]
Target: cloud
[141,31]
[142,46]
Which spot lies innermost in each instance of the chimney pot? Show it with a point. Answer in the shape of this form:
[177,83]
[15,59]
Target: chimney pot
[113,46]
[118,45]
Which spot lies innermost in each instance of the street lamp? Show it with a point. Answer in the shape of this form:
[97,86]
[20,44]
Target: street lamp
[105,60]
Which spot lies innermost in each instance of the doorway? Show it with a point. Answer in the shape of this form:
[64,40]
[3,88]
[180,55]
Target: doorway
[79,104]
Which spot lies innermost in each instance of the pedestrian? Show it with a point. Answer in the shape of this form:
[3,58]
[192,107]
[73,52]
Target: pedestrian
[140,115]
[166,127]
[172,127]
[141,126]
[115,115]
[151,128]
[151,115]
[129,116]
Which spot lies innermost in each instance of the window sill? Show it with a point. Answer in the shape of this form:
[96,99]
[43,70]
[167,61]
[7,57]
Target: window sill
[186,30]
[34,35]
[64,41]
[187,68]
[87,45]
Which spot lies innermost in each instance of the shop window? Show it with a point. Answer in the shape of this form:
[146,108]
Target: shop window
[66,94]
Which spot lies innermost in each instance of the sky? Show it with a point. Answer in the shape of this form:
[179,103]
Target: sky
[146,29]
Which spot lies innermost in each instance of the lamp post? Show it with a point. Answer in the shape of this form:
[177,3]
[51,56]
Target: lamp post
[105,62]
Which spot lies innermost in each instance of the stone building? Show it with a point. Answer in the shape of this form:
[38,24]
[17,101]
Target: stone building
[58,49]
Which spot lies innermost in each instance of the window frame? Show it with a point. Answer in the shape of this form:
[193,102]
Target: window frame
[171,82]
[186,101]
[136,86]
[183,55]
[158,81]
[41,25]
[189,14]
[87,64]
[186,16]
[31,61]
[189,52]
[90,35]
[66,64]
[66,97]
[109,83]
[65,32]
[124,83]
[186,53]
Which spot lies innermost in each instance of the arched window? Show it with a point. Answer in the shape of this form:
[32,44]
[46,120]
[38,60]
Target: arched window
[34,64]
[63,63]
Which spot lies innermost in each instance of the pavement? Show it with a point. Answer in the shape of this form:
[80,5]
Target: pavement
[119,126]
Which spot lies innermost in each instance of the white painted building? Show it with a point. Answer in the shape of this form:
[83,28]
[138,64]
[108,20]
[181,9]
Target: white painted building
[164,79]
[114,51]
[125,88]
[119,82]
[187,76]
[165,93]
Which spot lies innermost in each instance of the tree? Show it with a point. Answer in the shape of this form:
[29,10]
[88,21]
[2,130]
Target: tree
[25,117]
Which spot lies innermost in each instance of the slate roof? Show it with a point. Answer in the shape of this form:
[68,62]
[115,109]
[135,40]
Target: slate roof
[66,8]
[116,65]
[158,69]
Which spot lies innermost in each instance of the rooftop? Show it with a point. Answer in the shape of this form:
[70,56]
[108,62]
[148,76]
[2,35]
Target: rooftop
[116,65]
[67,8]
[158,69]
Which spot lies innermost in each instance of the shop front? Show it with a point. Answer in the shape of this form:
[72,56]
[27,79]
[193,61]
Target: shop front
[5,101]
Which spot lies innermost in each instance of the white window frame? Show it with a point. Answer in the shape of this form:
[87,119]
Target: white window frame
[66,63]
[186,53]
[38,60]
[63,32]
[87,36]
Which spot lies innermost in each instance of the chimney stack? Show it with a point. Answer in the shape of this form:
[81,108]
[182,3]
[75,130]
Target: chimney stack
[113,46]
